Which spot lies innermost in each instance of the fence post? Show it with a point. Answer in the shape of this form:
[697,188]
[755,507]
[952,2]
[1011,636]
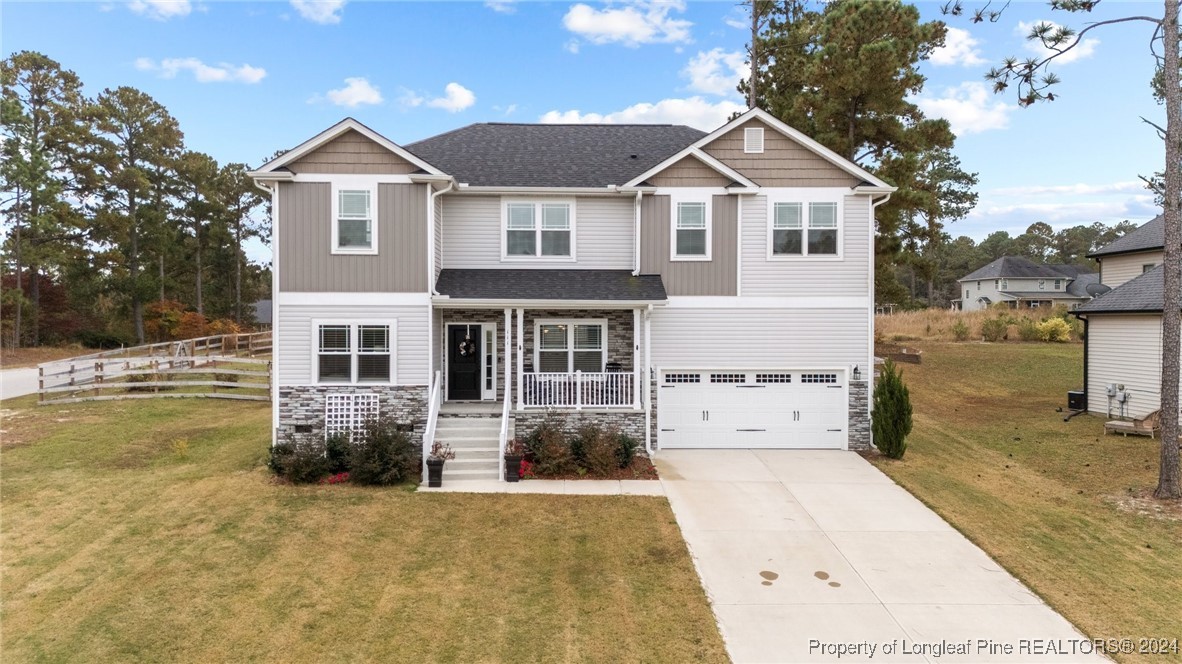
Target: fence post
[155,376]
[98,378]
[40,384]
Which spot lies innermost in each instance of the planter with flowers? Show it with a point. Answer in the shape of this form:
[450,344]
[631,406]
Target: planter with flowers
[514,453]
[439,454]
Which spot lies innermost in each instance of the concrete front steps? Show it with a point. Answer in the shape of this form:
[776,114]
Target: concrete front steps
[473,432]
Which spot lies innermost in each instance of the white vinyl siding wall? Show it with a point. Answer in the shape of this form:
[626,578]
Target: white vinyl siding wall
[1125,350]
[684,337]
[1116,270]
[472,234]
[295,338]
[846,277]
[438,230]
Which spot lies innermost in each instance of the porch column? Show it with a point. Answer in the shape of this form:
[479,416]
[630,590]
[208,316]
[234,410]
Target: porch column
[508,364]
[648,378]
[521,357]
[636,359]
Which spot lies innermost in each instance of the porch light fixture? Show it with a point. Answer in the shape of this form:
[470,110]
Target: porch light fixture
[857,373]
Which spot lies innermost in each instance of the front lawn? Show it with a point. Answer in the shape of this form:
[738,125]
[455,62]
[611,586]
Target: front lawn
[151,531]
[1059,504]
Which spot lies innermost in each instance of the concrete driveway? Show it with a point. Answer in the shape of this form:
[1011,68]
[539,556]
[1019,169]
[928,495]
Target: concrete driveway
[816,556]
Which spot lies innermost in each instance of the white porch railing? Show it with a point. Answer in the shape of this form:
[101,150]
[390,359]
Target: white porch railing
[503,437]
[579,390]
[432,417]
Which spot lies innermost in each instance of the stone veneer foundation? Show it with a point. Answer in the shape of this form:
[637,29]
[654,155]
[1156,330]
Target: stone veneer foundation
[860,436]
[303,405]
[630,422]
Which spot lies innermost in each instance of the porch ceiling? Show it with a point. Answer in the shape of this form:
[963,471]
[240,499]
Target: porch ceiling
[552,286]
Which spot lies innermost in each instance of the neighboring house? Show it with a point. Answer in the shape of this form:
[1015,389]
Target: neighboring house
[691,289]
[1019,282]
[261,311]
[1123,340]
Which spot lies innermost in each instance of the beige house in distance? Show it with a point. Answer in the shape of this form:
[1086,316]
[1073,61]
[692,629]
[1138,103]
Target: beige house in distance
[1022,283]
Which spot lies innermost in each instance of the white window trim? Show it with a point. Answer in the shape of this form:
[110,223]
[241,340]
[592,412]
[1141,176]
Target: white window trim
[360,184]
[537,203]
[690,195]
[355,325]
[749,131]
[804,196]
[570,338]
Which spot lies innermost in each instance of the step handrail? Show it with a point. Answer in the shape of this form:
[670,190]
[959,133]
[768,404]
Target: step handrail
[503,438]
[433,405]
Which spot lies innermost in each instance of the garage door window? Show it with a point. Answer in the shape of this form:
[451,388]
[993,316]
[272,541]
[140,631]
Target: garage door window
[569,346]
[818,378]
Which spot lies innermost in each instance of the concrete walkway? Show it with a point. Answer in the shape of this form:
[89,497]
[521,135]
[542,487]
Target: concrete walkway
[808,555]
[18,382]
[568,487]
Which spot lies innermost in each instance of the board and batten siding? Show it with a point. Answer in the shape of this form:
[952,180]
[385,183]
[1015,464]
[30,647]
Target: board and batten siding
[709,338]
[783,162]
[305,242]
[847,277]
[351,152]
[689,172]
[1125,350]
[604,234]
[295,339]
[717,276]
[1116,270]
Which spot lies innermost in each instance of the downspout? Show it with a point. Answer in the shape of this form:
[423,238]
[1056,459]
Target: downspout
[648,397]
[870,284]
[636,237]
[431,233]
[274,307]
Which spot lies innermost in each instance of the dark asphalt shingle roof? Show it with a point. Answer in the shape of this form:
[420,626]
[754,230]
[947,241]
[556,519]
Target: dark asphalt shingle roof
[1013,267]
[552,155]
[1079,286]
[1151,235]
[550,285]
[1145,293]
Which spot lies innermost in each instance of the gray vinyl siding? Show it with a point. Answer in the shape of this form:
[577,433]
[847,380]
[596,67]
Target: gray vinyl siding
[295,339]
[305,242]
[754,338]
[352,152]
[1116,270]
[689,172]
[717,276]
[848,277]
[1125,350]
[437,229]
[989,288]
[783,162]
[471,233]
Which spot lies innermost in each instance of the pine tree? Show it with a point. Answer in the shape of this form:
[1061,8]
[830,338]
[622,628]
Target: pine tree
[891,417]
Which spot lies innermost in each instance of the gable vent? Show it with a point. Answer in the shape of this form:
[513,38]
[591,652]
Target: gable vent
[753,140]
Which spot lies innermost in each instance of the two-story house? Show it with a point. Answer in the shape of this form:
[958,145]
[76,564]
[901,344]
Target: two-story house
[1123,344]
[1020,282]
[692,289]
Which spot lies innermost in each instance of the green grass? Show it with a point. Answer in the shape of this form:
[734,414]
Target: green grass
[151,531]
[1059,504]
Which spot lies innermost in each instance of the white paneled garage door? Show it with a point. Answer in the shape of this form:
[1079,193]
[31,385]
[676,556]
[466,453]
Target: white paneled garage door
[769,408]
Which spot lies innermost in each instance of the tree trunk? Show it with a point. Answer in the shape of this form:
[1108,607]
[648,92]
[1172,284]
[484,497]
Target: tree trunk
[200,277]
[160,272]
[133,269]
[35,298]
[16,320]
[238,269]
[1168,483]
[754,53]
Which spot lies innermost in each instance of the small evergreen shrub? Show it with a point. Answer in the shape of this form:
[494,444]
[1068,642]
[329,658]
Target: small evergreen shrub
[299,459]
[1054,329]
[1029,330]
[891,416]
[550,449]
[995,329]
[600,451]
[381,454]
[336,449]
[960,331]
[626,447]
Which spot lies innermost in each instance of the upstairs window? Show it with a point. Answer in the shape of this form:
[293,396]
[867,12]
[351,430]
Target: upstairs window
[1058,284]
[753,140]
[354,353]
[822,229]
[354,230]
[1005,284]
[539,230]
[691,232]
[1147,267]
[1042,284]
[787,229]
[804,228]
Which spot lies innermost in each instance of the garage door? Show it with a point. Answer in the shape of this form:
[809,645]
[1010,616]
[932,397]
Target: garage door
[762,408]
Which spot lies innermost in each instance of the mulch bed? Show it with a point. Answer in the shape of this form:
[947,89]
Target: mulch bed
[641,468]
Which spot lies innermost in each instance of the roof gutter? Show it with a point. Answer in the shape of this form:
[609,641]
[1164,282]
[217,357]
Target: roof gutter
[636,236]
[490,303]
[465,188]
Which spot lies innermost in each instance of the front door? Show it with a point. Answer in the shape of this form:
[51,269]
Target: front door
[463,361]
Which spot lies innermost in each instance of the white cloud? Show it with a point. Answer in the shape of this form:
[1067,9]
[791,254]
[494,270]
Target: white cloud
[409,99]
[161,10]
[221,73]
[716,72]
[1070,213]
[455,98]
[571,46]
[632,24]
[960,48]
[325,12]
[970,108]
[694,111]
[1127,187]
[357,92]
[502,6]
[1085,49]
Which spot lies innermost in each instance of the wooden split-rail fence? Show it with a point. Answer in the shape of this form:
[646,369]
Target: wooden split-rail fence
[224,366]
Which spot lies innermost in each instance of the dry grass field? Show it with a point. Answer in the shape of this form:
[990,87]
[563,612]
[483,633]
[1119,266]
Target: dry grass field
[940,324]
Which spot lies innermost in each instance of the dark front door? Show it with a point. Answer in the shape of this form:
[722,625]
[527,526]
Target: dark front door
[463,361]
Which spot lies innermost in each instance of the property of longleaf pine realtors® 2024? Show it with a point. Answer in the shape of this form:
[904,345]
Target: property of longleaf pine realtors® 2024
[1036,647]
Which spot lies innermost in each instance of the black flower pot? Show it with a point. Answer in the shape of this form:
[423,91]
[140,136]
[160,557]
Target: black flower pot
[434,472]
[512,467]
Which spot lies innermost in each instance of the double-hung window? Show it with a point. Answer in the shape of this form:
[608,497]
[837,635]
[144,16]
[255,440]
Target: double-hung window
[539,230]
[1042,284]
[573,345]
[691,230]
[354,227]
[354,352]
[803,228]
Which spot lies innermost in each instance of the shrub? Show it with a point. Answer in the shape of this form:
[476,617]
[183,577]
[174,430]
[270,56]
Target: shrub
[548,447]
[299,459]
[995,329]
[891,417]
[1028,330]
[1054,329]
[600,450]
[960,330]
[103,340]
[626,447]
[336,452]
[381,454]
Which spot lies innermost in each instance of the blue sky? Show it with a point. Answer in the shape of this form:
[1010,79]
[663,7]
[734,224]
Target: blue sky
[247,78]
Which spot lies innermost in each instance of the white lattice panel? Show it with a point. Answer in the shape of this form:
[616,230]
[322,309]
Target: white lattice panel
[346,413]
